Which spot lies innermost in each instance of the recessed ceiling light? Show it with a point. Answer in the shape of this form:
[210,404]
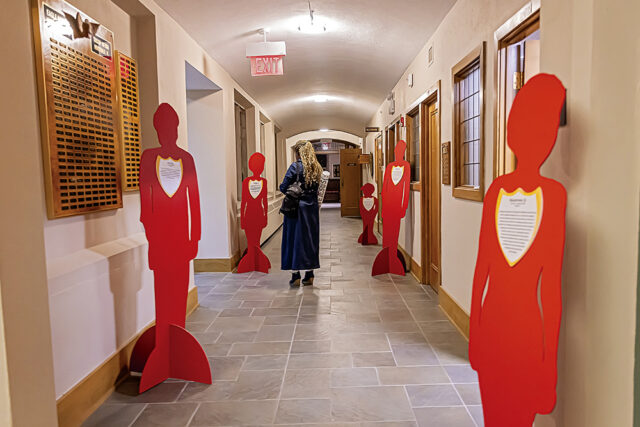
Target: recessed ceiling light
[320,98]
[324,130]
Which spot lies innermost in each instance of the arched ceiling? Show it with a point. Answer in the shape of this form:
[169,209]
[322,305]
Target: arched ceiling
[355,63]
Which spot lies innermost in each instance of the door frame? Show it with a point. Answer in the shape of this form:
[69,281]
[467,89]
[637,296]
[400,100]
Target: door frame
[432,96]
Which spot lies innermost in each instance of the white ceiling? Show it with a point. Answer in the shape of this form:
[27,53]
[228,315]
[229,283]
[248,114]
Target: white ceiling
[356,62]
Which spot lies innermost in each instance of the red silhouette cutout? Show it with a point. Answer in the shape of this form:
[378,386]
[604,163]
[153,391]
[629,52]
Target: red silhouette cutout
[253,217]
[170,213]
[515,318]
[368,212]
[395,200]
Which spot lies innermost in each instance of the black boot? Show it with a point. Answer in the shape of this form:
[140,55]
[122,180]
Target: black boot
[308,278]
[295,279]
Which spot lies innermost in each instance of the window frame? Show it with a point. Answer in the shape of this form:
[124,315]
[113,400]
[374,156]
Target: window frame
[458,190]
[415,114]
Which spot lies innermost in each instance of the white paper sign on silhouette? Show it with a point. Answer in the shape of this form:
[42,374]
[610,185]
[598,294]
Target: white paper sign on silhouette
[396,174]
[367,202]
[518,216]
[255,187]
[169,173]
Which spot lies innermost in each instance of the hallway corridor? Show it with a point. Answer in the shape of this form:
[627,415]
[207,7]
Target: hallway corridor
[351,350]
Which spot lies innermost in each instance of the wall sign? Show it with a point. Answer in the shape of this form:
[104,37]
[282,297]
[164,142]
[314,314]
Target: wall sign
[445,158]
[266,58]
[77,94]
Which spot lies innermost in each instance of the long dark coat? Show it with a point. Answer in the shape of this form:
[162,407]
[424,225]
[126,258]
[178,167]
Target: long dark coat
[301,235]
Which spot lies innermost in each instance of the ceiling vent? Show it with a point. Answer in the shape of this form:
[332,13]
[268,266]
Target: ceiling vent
[430,56]
[392,103]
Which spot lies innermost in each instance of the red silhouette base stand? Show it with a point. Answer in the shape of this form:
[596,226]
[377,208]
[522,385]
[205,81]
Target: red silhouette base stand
[253,217]
[395,200]
[517,302]
[368,212]
[169,202]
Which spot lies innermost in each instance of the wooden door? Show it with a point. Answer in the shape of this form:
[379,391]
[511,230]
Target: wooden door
[431,253]
[379,166]
[391,144]
[434,196]
[350,181]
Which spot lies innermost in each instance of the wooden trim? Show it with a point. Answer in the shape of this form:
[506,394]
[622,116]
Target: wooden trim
[416,186]
[454,312]
[207,265]
[432,97]
[414,267]
[76,405]
[519,26]
[458,190]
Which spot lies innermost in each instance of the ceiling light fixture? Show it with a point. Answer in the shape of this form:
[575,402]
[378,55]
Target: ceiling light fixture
[320,98]
[323,130]
[311,26]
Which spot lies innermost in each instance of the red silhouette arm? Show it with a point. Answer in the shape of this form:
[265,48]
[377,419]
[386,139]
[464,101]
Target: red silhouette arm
[480,276]
[146,192]
[264,201]
[406,189]
[194,203]
[243,203]
[551,295]
[385,185]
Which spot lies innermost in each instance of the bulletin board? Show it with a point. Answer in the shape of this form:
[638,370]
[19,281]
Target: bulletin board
[129,119]
[77,94]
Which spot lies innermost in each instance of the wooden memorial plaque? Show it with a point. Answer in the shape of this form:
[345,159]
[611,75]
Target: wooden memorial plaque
[445,158]
[77,94]
[129,117]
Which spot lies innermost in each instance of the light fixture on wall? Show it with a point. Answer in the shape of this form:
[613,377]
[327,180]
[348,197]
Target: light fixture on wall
[311,26]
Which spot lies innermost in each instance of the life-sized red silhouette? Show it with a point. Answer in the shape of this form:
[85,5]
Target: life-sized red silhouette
[253,217]
[395,200]
[170,213]
[368,212]
[516,303]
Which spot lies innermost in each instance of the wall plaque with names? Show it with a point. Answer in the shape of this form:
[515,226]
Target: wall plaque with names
[77,97]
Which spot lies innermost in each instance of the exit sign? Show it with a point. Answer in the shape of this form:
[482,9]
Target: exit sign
[266,58]
[267,66]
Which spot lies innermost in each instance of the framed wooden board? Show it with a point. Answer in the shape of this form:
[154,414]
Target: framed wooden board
[77,95]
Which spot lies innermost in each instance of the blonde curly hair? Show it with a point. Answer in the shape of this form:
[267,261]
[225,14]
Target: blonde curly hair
[312,169]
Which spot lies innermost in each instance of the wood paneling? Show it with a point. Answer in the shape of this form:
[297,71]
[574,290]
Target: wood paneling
[203,265]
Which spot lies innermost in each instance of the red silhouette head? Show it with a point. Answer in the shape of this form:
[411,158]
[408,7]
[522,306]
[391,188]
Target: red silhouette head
[256,163]
[401,146]
[368,189]
[166,121]
[533,121]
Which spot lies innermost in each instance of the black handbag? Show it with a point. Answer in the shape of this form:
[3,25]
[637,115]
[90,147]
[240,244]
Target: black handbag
[292,197]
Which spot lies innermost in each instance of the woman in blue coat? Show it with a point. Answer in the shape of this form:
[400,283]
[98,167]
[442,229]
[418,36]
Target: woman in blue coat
[301,235]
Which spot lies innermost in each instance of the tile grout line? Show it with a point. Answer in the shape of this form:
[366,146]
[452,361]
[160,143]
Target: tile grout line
[193,415]
[436,354]
[139,413]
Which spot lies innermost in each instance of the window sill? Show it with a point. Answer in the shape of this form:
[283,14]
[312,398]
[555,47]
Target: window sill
[468,193]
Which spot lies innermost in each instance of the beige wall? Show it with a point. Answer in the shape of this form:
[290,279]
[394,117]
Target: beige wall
[99,287]
[26,335]
[593,46]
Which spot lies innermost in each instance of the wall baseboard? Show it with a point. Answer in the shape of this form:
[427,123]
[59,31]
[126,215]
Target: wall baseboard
[455,313]
[414,267]
[76,405]
[209,265]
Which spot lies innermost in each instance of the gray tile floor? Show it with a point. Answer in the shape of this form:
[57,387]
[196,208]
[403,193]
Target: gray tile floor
[351,350]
